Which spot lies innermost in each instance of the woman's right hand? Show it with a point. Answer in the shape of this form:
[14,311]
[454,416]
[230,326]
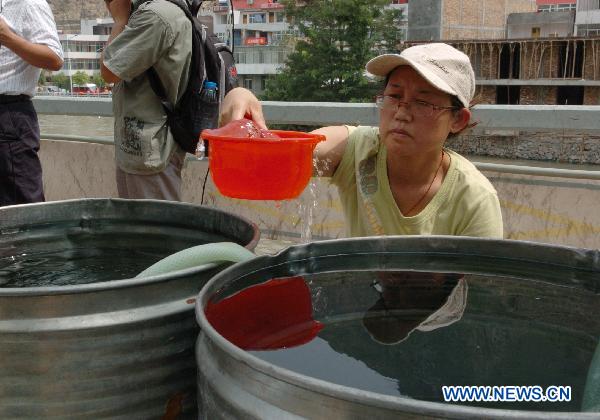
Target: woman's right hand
[241,103]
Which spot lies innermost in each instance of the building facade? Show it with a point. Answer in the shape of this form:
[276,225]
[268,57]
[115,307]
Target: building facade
[257,31]
[430,20]
[540,25]
[550,71]
[83,50]
[556,5]
[587,20]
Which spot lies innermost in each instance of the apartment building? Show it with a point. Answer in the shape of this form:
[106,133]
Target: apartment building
[83,50]
[257,31]
[261,36]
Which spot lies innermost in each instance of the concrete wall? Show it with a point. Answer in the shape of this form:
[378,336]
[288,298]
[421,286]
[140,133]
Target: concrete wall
[462,19]
[555,24]
[483,19]
[524,30]
[424,20]
[551,146]
[552,210]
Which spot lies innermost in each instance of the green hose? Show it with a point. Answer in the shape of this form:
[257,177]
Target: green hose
[591,392]
[199,255]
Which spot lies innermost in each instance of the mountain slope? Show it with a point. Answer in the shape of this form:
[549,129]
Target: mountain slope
[74,10]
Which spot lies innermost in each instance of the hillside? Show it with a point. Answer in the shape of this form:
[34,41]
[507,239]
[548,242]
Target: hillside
[71,11]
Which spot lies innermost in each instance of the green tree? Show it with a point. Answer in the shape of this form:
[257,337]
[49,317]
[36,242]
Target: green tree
[386,31]
[61,80]
[98,80]
[328,61]
[80,77]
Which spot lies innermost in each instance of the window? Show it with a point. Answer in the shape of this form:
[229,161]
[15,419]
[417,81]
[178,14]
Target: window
[248,84]
[588,5]
[558,7]
[535,32]
[257,18]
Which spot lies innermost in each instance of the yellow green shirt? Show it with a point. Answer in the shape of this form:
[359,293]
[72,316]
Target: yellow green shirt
[465,205]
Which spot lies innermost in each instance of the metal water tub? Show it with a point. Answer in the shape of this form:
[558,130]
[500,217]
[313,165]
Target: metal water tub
[118,348]
[234,383]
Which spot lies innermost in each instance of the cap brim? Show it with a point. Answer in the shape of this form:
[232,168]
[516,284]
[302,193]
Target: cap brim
[385,63]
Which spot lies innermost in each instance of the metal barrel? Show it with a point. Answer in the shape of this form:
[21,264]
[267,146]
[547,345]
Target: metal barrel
[113,349]
[233,383]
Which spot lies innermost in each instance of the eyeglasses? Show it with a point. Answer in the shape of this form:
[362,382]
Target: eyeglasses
[416,108]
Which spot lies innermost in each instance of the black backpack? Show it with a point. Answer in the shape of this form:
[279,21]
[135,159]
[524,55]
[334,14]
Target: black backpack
[211,61]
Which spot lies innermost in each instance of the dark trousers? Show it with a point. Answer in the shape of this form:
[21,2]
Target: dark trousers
[20,167]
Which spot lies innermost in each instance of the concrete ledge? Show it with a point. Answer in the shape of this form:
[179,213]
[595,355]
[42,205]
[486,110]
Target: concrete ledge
[497,117]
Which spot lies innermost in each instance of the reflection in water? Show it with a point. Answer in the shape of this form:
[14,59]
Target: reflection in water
[591,392]
[409,333]
[413,301]
[273,315]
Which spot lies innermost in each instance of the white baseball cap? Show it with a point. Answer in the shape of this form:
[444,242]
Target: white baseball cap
[442,65]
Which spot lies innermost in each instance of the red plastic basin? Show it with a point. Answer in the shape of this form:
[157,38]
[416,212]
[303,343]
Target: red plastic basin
[261,168]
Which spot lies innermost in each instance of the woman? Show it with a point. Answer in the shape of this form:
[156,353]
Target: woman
[397,178]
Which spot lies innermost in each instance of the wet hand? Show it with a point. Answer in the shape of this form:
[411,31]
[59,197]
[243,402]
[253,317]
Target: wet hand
[241,103]
[119,10]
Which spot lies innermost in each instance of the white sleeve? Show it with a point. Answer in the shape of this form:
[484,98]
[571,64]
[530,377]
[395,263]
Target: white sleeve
[41,28]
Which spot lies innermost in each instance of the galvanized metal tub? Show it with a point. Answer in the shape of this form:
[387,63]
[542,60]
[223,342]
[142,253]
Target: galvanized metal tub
[121,348]
[233,383]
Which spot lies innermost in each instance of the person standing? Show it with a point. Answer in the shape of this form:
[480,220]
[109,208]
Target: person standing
[28,43]
[148,34]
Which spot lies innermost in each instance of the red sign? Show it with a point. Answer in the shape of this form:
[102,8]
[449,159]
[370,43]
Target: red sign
[256,41]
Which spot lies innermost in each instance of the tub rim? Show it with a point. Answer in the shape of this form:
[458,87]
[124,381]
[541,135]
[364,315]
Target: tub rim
[128,282]
[369,398]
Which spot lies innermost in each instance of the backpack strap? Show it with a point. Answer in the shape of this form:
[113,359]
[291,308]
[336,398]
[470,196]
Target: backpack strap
[159,90]
[199,55]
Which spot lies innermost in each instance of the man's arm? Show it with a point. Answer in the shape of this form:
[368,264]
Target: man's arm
[37,55]
[120,11]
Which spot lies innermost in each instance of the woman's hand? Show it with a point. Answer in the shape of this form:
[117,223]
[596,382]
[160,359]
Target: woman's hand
[241,103]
